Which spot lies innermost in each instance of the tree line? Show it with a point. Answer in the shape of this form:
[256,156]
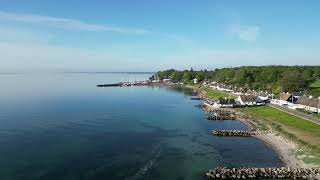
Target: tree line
[272,78]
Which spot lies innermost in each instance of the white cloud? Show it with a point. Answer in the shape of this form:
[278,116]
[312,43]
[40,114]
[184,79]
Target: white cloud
[65,23]
[74,24]
[246,33]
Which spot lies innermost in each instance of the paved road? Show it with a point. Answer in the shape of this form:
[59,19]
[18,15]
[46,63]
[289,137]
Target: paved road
[296,113]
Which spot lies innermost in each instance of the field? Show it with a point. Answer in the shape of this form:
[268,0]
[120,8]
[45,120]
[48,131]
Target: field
[303,132]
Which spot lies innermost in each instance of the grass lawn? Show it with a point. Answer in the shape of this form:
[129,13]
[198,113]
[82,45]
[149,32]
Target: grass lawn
[215,94]
[307,112]
[304,132]
[315,84]
[316,115]
[315,88]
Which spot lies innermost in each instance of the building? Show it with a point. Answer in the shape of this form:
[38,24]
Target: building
[264,96]
[308,103]
[166,80]
[247,100]
[285,99]
[226,102]
[195,81]
[297,94]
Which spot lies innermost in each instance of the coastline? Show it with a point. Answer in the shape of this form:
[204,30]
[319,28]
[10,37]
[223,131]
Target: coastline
[285,148]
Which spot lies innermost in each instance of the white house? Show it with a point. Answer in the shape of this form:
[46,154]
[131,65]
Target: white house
[166,80]
[195,81]
[263,95]
[226,102]
[309,103]
[284,99]
[247,100]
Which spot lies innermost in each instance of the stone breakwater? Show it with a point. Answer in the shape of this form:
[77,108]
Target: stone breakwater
[233,133]
[263,173]
[220,117]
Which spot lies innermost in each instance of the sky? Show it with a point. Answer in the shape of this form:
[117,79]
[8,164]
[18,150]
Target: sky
[152,35]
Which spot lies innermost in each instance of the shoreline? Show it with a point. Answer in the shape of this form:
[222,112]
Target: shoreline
[285,149]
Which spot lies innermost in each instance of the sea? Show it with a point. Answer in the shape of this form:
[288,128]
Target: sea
[61,126]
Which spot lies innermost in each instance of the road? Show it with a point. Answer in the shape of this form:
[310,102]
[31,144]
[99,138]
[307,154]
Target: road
[296,113]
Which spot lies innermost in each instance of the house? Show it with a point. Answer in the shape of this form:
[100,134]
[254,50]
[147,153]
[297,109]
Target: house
[247,100]
[222,87]
[297,94]
[237,93]
[166,80]
[205,83]
[251,92]
[308,103]
[226,102]
[195,81]
[286,99]
[264,96]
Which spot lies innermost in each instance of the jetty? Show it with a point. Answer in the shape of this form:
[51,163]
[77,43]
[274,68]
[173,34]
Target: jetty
[109,85]
[221,117]
[195,98]
[136,83]
[263,173]
[233,133]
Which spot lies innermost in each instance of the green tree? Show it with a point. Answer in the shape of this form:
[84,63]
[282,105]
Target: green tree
[186,76]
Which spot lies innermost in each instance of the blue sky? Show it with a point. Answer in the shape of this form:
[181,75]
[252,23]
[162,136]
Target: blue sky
[150,35]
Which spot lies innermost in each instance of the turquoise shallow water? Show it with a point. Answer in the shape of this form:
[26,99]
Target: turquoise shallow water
[60,126]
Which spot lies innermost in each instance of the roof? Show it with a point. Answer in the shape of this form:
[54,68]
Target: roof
[264,94]
[285,96]
[307,101]
[252,92]
[227,101]
[297,94]
[248,98]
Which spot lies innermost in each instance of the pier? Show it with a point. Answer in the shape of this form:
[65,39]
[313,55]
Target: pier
[195,98]
[125,84]
[109,85]
[233,133]
[263,173]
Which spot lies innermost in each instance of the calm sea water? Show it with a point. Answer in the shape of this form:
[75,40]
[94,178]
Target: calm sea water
[61,126]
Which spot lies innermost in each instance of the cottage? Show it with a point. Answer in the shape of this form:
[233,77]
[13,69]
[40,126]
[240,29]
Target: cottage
[226,102]
[237,93]
[247,100]
[286,99]
[195,81]
[166,80]
[309,103]
[264,96]
[297,94]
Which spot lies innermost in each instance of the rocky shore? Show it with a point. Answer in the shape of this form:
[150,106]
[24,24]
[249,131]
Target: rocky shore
[233,133]
[286,149]
[263,173]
